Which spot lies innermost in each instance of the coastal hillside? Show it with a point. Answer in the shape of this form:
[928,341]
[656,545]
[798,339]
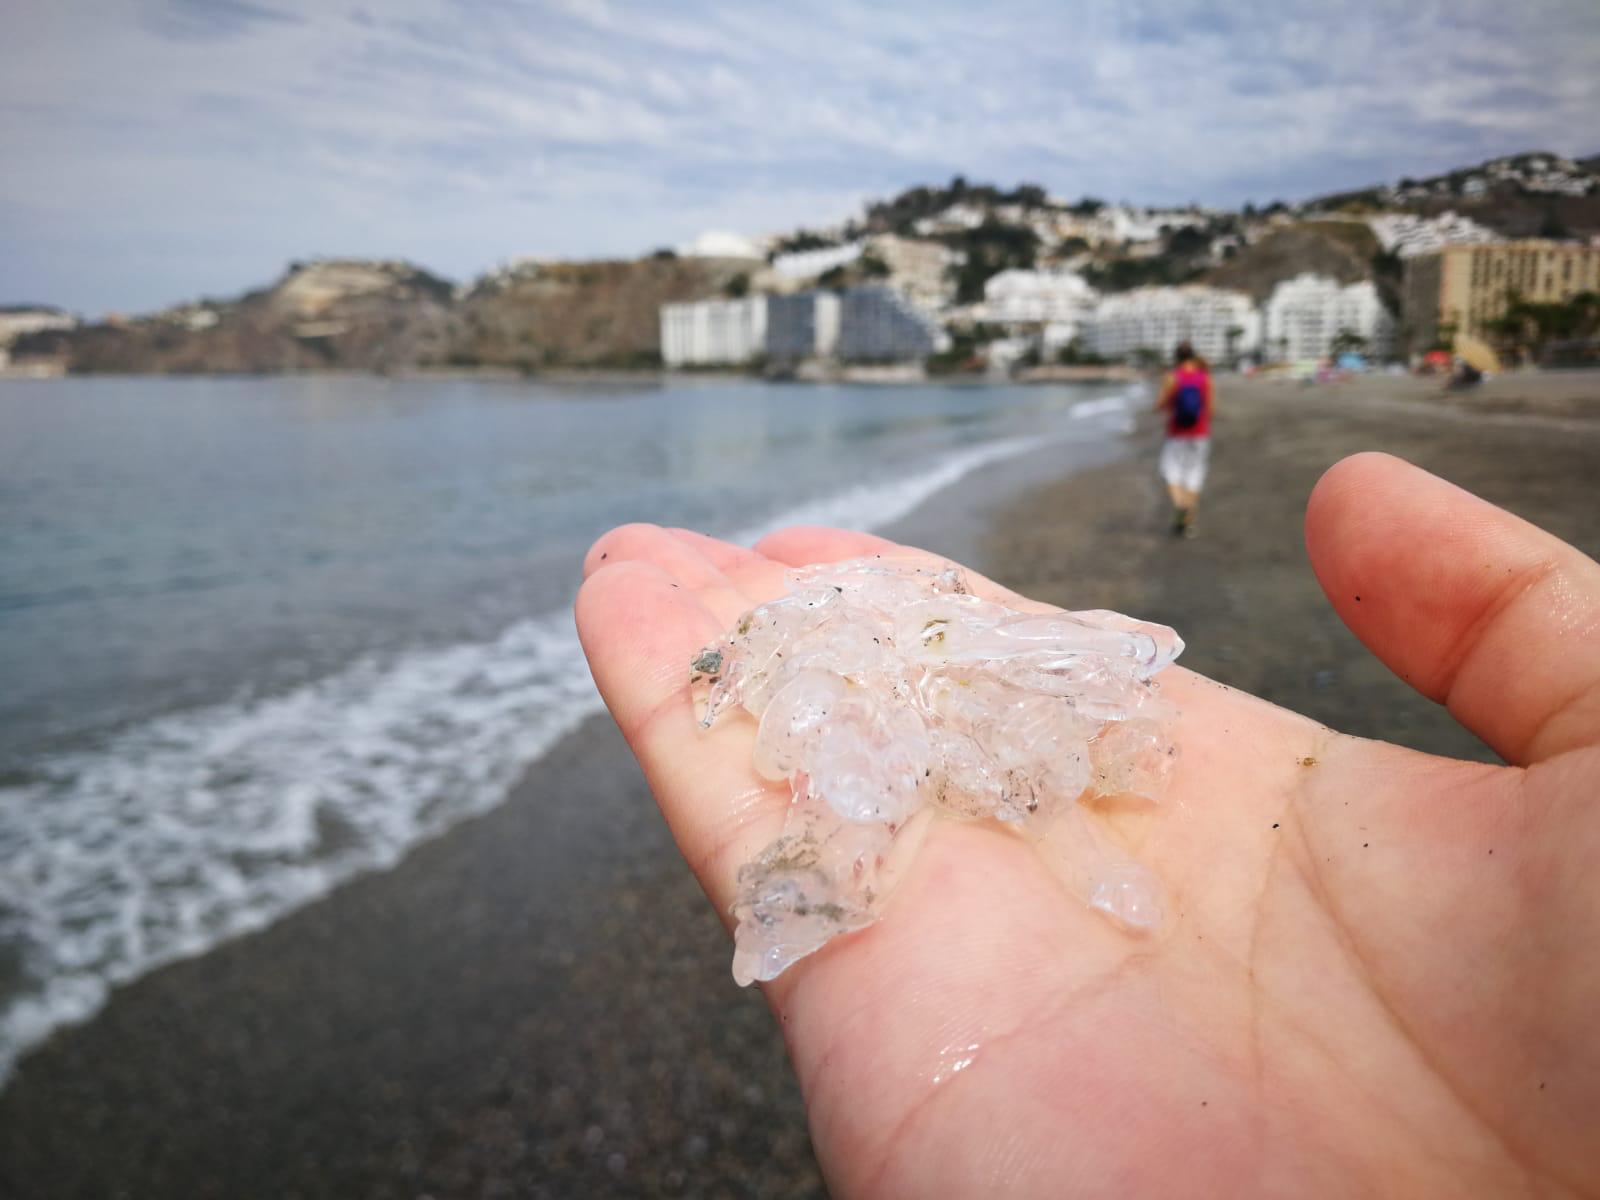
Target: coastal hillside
[538,315]
[1536,194]
[350,314]
[1341,250]
[331,314]
[939,245]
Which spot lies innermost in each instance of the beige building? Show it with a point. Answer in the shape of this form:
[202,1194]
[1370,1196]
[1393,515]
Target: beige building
[920,269]
[1460,289]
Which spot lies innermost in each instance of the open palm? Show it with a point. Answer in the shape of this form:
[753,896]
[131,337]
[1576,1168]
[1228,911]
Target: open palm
[1378,971]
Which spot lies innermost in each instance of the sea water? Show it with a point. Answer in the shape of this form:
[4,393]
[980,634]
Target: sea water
[260,635]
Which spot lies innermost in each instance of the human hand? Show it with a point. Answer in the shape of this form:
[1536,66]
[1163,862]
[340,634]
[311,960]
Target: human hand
[1377,971]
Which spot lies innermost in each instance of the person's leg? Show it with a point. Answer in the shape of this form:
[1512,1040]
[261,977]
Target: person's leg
[1199,458]
[1171,467]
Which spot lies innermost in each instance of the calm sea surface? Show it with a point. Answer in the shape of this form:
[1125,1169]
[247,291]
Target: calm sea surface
[258,635]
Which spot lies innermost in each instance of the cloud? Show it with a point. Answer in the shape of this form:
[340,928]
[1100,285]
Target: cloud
[206,20]
[203,136]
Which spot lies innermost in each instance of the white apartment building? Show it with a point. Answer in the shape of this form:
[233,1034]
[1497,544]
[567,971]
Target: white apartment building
[952,219]
[719,243]
[803,325]
[1305,314]
[1220,324]
[1408,235]
[1145,224]
[706,333]
[1018,297]
[802,265]
[877,324]
[18,320]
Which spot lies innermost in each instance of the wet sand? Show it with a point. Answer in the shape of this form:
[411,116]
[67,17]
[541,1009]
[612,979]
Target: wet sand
[539,1004]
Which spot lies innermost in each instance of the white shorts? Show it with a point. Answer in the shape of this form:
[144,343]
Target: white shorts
[1183,462]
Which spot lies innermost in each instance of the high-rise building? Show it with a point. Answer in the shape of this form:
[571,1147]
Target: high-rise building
[1454,294]
[1305,315]
[1220,324]
[879,325]
[713,332]
[802,326]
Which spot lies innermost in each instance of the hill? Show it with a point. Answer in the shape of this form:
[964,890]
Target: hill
[1343,250]
[1536,194]
[360,315]
[584,314]
[329,314]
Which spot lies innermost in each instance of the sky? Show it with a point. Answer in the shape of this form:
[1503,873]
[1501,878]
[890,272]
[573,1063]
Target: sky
[154,151]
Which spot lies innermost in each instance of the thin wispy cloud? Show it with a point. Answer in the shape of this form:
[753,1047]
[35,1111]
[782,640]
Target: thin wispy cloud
[160,150]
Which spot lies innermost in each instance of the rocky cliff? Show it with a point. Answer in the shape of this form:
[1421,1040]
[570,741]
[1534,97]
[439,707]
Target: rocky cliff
[359,315]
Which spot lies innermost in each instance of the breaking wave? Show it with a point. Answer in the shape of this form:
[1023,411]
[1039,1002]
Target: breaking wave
[198,826]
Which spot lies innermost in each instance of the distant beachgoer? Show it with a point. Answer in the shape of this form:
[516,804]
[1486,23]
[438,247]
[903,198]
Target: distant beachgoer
[1464,378]
[1186,399]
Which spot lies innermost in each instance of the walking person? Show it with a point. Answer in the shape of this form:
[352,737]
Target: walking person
[1186,399]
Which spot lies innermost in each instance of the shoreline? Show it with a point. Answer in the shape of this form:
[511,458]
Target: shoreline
[538,1002]
[889,375]
[226,1048]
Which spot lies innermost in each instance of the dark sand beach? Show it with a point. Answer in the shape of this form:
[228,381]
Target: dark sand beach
[539,1003]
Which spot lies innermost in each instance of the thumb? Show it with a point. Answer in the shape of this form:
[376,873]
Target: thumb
[1473,607]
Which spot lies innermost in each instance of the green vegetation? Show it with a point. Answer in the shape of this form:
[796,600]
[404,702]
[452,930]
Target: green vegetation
[1530,329]
[1125,274]
[966,352]
[834,279]
[1073,354]
[873,267]
[1347,341]
[990,248]
[799,242]
[901,214]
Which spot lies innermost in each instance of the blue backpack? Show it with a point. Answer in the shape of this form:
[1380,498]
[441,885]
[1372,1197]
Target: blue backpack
[1187,405]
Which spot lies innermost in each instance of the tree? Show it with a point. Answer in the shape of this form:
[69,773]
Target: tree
[1552,227]
[737,287]
[800,241]
[1073,354]
[1234,333]
[1527,326]
[987,250]
[1347,341]
[834,279]
[873,267]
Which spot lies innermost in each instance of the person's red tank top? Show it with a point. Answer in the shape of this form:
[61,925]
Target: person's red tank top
[1201,428]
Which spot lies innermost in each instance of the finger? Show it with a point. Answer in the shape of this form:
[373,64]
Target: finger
[639,629]
[801,545]
[650,543]
[725,556]
[681,560]
[1472,606]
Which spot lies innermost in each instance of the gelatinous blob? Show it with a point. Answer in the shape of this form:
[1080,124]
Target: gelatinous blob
[882,690]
